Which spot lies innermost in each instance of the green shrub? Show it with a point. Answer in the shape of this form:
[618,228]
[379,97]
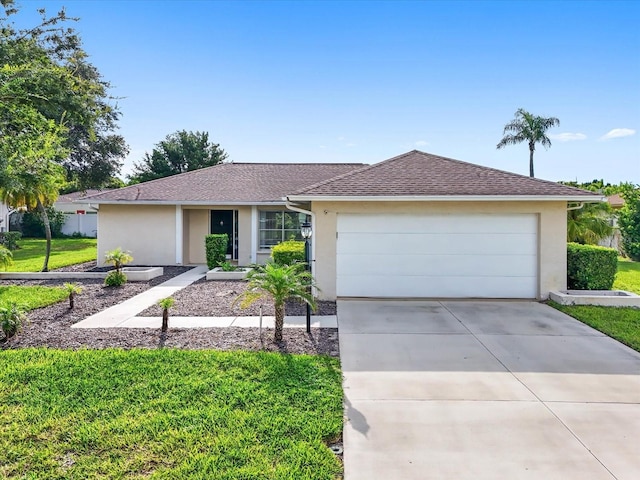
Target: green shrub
[12,317]
[216,249]
[10,239]
[33,226]
[6,257]
[629,221]
[590,267]
[228,267]
[115,279]
[288,253]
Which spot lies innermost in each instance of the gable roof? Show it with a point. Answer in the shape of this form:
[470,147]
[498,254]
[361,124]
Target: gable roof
[73,196]
[422,175]
[226,183]
[616,201]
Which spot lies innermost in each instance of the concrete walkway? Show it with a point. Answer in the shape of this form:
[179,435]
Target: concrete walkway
[124,315]
[117,314]
[485,390]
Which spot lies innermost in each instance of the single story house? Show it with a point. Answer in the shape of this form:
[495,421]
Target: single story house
[416,225]
[78,219]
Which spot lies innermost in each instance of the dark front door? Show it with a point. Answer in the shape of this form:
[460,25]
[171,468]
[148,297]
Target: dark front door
[222,222]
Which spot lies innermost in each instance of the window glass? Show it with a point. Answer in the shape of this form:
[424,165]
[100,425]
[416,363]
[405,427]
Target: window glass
[278,226]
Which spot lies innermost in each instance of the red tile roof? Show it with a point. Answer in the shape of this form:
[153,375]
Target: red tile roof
[419,174]
[228,183]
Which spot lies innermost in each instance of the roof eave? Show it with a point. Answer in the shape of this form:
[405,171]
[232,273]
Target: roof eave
[173,202]
[447,198]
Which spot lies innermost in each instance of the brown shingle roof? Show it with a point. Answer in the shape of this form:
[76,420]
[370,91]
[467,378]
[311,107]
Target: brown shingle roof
[228,183]
[616,201]
[421,174]
[71,197]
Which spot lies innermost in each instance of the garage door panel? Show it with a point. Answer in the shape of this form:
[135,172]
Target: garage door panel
[437,223]
[418,243]
[449,256]
[436,265]
[384,286]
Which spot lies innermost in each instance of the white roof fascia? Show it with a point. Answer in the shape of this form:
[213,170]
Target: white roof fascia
[449,198]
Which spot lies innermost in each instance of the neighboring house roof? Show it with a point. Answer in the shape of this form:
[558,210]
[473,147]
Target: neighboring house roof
[421,175]
[73,196]
[227,183]
[616,201]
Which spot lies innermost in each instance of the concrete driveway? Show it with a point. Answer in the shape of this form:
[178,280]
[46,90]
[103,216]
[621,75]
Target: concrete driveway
[485,390]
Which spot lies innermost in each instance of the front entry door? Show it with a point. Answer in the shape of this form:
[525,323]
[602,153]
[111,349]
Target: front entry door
[222,221]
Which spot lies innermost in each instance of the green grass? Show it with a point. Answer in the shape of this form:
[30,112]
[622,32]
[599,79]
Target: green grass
[623,324]
[64,251]
[168,414]
[31,297]
[628,276]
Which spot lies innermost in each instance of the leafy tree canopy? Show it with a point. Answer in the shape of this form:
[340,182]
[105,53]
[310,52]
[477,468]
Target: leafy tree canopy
[52,97]
[606,189]
[629,220]
[179,152]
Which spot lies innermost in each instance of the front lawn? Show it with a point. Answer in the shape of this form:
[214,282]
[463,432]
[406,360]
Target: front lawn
[31,297]
[64,251]
[628,276]
[623,324]
[168,414]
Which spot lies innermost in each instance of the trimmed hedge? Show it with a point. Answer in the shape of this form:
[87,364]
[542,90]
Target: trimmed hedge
[288,253]
[216,249]
[590,267]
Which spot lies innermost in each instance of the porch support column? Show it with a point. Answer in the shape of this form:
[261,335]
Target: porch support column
[254,233]
[179,234]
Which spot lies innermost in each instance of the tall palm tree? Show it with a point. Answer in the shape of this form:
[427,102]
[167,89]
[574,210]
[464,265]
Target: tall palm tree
[278,283]
[34,184]
[589,224]
[529,128]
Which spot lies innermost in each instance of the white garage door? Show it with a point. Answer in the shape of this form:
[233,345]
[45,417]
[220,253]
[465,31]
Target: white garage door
[450,256]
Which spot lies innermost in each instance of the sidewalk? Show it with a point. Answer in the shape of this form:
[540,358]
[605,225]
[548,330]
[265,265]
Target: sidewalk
[124,315]
[115,315]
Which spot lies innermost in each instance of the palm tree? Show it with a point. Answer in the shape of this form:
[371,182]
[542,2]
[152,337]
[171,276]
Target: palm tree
[589,224]
[118,258]
[34,184]
[529,128]
[278,283]
[166,304]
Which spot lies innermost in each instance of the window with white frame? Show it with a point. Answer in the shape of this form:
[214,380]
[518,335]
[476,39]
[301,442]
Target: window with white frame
[277,226]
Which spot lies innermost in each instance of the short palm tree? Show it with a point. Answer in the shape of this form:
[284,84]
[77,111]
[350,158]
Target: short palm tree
[166,304]
[589,224]
[72,290]
[278,283]
[118,258]
[529,128]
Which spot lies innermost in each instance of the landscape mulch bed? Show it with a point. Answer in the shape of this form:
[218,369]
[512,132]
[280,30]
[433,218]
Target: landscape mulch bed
[51,326]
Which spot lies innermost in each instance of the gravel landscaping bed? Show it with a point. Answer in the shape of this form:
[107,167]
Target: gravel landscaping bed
[215,298]
[51,326]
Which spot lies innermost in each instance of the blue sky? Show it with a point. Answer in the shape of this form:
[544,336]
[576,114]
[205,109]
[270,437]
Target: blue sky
[364,81]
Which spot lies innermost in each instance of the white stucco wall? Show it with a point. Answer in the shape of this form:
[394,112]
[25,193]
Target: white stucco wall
[552,217]
[147,231]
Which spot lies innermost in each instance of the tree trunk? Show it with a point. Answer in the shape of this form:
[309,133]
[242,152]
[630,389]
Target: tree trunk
[279,322]
[165,319]
[71,300]
[47,233]
[531,150]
